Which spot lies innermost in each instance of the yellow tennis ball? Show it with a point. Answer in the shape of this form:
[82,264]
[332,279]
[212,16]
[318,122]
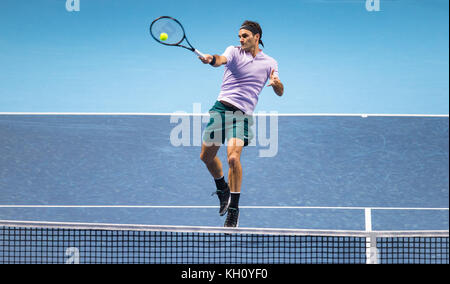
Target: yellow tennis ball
[163,36]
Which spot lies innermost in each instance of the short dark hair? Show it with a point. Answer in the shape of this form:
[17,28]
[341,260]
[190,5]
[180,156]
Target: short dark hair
[255,28]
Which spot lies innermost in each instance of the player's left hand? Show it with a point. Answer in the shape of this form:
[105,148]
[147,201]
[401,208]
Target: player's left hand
[273,79]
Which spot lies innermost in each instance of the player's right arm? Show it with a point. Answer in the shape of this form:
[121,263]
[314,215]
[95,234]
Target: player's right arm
[220,59]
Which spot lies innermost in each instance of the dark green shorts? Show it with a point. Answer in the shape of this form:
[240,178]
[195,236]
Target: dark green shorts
[225,123]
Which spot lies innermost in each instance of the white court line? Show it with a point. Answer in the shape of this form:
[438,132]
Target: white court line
[207,114]
[210,207]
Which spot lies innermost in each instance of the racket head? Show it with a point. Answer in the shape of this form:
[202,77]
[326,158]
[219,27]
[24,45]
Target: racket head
[172,27]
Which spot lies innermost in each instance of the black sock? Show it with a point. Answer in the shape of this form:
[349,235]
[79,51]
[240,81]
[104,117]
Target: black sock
[221,184]
[235,199]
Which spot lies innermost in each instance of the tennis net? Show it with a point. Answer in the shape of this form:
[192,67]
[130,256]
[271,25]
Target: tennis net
[48,242]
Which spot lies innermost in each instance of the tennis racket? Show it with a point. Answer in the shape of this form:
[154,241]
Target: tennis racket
[174,31]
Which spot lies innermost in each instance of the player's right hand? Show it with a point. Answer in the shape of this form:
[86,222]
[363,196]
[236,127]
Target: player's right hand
[208,58]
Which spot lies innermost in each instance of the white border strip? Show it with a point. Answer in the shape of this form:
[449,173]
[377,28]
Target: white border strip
[214,207]
[207,114]
[220,230]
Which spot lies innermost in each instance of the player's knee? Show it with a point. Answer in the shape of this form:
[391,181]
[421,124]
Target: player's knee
[233,160]
[206,158]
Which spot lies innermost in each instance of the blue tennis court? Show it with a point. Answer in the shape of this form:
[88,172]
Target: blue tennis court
[324,171]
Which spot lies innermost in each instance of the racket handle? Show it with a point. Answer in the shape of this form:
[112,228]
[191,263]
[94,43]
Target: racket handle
[199,53]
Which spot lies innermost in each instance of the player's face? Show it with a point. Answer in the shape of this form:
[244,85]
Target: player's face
[248,40]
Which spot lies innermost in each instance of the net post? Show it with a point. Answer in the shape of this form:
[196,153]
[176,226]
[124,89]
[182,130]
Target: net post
[371,240]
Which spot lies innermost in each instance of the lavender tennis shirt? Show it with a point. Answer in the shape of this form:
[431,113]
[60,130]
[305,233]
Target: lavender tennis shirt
[245,77]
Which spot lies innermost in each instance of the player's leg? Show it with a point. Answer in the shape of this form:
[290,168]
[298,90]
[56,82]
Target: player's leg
[209,156]
[234,151]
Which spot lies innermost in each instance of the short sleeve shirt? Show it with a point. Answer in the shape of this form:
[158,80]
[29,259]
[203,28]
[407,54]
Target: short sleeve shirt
[244,77]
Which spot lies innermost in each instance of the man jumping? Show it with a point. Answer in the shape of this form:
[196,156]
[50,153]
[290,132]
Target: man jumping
[247,70]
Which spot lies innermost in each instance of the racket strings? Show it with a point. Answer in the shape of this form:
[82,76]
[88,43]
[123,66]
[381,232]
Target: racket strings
[170,27]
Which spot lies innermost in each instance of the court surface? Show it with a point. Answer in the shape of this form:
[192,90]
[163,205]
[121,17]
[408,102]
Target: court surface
[327,170]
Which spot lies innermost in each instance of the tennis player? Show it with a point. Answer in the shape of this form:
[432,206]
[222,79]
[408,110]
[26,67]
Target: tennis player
[247,69]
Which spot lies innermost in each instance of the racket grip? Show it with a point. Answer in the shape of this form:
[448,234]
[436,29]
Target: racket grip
[199,53]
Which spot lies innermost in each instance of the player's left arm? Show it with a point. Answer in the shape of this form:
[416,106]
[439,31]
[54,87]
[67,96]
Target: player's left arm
[276,84]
